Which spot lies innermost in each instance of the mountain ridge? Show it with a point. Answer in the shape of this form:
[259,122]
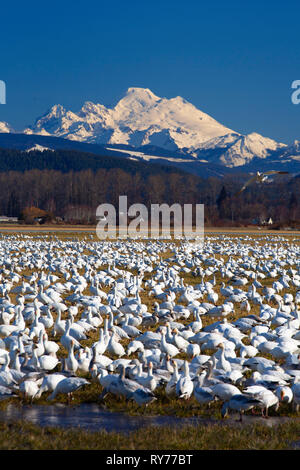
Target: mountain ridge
[141,118]
[151,155]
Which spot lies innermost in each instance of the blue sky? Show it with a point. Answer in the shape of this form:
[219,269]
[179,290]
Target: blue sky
[233,60]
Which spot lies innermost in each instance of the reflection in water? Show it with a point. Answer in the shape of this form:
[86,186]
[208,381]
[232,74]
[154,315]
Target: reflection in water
[92,417]
[87,416]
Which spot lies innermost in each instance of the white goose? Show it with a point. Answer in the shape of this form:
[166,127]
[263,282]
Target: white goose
[100,346]
[114,347]
[68,386]
[71,362]
[51,347]
[181,343]
[66,339]
[240,403]
[168,348]
[48,363]
[185,385]
[172,383]
[266,398]
[203,395]
[29,389]
[149,381]
[225,391]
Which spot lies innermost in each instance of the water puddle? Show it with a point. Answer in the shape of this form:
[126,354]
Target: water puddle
[91,417]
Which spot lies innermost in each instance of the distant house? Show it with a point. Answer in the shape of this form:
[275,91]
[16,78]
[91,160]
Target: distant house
[268,221]
[38,219]
[262,221]
[4,219]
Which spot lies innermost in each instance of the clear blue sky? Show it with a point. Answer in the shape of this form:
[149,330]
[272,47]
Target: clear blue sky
[233,60]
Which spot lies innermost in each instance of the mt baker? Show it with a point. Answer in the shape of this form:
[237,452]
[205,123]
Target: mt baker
[143,120]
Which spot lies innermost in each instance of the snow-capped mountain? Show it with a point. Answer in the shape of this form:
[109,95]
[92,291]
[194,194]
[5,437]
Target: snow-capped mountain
[291,153]
[234,150]
[142,119]
[38,148]
[5,127]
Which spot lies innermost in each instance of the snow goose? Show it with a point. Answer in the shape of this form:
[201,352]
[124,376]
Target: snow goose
[99,361]
[94,319]
[130,330]
[181,343]
[125,386]
[67,338]
[47,319]
[220,311]
[114,347]
[168,348]
[33,363]
[117,330]
[151,339]
[6,377]
[170,388]
[224,391]
[284,394]
[247,351]
[185,386]
[48,363]
[18,325]
[154,355]
[203,394]
[49,383]
[135,370]
[212,296]
[68,386]
[71,362]
[240,403]
[135,346]
[51,347]
[196,325]
[100,346]
[76,330]
[221,362]
[84,358]
[29,389]
[266,398]
[143,397]
[193,350]
[148,381]
[296,394]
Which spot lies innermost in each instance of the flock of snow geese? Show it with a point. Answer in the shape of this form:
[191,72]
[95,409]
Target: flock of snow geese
[218,321]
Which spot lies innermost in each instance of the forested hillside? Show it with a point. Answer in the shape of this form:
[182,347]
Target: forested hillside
[70,185]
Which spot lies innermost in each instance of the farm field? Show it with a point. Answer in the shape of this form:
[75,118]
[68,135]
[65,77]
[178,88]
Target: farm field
[153,328]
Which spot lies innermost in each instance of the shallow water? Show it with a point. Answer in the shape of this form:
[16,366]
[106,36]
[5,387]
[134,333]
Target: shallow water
[91,417]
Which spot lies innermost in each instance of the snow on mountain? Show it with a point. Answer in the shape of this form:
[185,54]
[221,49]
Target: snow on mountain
[38,148]
[141,118]
[291,153]
[56,122]
[234,150]
[5,127]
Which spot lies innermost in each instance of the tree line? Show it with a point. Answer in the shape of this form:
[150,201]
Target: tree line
[72,192]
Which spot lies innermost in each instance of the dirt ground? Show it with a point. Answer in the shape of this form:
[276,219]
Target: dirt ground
[91,228]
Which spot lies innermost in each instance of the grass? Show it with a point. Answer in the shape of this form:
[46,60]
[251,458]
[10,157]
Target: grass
[24,436]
